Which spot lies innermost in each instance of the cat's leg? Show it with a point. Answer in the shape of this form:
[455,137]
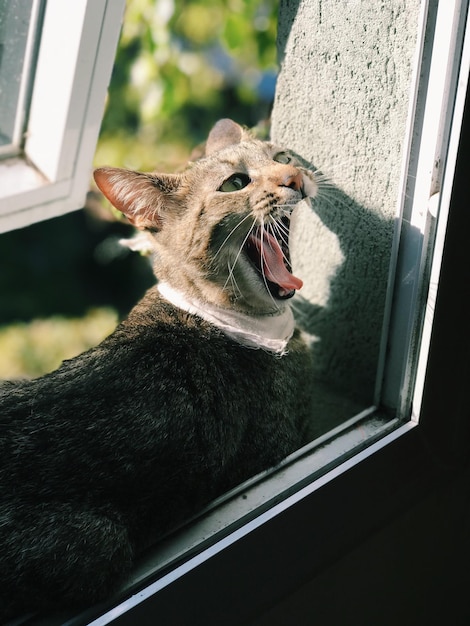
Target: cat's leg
[56,555]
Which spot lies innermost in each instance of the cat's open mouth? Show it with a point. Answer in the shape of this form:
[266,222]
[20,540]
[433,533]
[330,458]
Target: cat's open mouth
[267,248]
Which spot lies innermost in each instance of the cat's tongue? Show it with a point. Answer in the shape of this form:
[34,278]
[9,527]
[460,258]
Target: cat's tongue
[272,260]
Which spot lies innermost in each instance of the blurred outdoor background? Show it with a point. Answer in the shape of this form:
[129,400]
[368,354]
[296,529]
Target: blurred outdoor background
[181,65]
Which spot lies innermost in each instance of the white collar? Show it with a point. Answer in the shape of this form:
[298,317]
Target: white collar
[269,332]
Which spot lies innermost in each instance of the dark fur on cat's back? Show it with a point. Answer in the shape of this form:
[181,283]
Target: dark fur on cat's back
[126,440]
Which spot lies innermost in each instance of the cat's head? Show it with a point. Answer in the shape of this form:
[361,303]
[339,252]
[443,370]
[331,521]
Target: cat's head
[220,228]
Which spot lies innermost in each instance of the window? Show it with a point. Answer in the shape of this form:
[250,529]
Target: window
[19,23]
[50,174]
[273,532]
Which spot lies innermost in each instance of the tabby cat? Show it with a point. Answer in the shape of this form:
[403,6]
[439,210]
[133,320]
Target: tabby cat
[201,387]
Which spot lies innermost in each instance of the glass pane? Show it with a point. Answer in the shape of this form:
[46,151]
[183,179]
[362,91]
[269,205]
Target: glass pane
[342,102]
[18,26]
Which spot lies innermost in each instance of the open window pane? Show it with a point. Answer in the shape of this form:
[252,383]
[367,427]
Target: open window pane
[19,24]
[51,170]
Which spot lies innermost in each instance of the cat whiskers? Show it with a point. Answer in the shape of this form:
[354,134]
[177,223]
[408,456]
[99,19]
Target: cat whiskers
[232,279]
[232,232]
[328,192]
[262,230]
[279,230]
[231,269]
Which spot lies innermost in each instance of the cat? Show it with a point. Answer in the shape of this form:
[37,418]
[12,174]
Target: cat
[202,386]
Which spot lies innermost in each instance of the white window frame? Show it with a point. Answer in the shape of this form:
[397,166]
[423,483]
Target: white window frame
[75,59]
[440,83]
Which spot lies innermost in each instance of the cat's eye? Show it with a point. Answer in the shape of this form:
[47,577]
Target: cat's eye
[235,182]
[282,157]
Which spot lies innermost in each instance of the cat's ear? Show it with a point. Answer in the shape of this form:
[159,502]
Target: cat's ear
[224,133]
[142,197]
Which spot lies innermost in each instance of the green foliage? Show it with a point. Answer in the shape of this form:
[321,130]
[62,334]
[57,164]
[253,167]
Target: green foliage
[181,65]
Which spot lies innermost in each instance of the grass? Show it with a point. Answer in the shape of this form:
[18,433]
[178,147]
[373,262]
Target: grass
[38,347]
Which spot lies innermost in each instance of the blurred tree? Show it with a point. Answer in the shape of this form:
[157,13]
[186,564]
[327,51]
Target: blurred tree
[181,65]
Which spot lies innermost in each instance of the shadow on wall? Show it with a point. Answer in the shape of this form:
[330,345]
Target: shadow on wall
[346,323]
[343,248]
[288,9]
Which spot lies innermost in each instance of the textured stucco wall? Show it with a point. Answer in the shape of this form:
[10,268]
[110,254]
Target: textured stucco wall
[341,103]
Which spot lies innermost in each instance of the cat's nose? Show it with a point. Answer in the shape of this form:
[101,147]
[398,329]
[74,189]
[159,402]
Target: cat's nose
[293,180]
